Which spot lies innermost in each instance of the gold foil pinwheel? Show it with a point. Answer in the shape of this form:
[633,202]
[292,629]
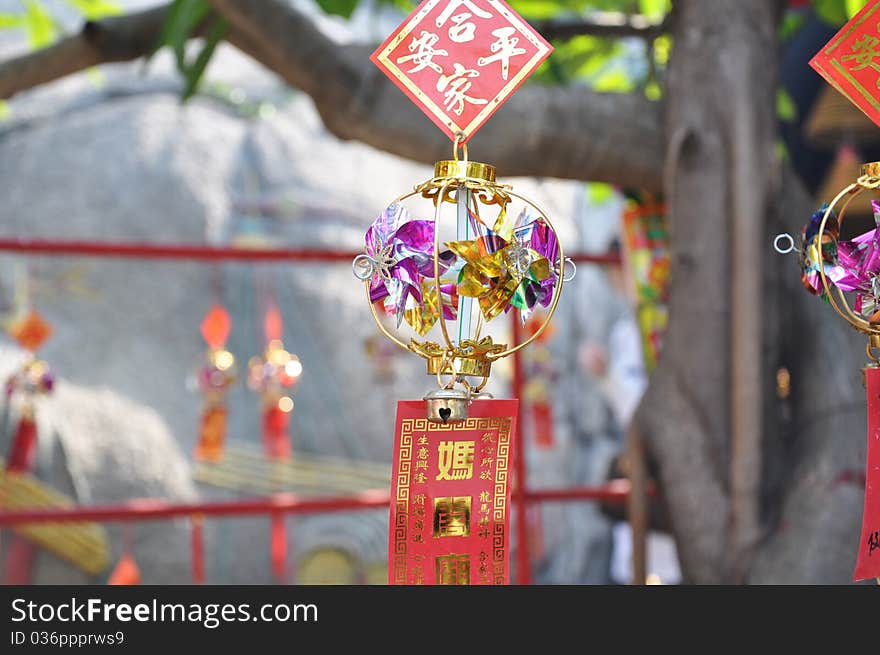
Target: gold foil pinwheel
[502,268]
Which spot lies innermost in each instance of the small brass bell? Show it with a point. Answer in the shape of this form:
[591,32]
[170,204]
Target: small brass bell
[447,405]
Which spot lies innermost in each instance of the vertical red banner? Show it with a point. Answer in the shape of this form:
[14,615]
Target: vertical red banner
[868,562]
[450,508]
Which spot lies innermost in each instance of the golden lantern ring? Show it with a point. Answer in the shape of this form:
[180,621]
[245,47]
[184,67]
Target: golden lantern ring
[466,360]
[869,180]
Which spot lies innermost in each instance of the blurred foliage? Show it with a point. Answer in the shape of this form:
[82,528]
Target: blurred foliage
[344,8]
[785,107]
[184,18]
[837,12]
[606,65]
[603,64]
[37,19]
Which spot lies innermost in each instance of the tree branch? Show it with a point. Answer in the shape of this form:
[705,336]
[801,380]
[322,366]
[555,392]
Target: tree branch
[567,132]
[560,132]
[120,38]
[617,26]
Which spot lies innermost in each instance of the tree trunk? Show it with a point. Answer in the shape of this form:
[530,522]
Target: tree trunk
[760,493]
[702,412]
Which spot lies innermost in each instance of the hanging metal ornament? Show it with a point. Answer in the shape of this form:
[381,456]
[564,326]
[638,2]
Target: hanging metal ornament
[214,378]
[31,380]
[458,62]
[502,254]
[446,261]
[273,376]
[846,274]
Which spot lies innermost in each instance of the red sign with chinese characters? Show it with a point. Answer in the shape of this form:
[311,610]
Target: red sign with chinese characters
[459,60]
[868,562]
[850,62]
[450,498]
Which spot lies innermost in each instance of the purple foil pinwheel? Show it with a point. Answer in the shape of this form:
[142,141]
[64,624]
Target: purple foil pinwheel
[399,255]
[540,238]
[860,260]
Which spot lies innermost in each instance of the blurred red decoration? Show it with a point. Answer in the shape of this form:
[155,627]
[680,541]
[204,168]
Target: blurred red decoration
[273,326]
[30,331]
[279,547]
[33,378]
[22,452]
[459,60]
[215,327]
[272,376]
[850,61]
[198,549]
[215,378]
[126,572]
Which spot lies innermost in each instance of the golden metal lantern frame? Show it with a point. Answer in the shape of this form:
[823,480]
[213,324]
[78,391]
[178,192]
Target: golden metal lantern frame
[868,180]
[471,357]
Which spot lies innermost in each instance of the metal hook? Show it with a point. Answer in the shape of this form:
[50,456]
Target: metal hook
[784,250]
[363,266]
[574,269]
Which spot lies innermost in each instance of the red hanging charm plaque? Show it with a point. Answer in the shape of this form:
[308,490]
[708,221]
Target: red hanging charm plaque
[459,60]
[450,515]
[850,62]
[868,562]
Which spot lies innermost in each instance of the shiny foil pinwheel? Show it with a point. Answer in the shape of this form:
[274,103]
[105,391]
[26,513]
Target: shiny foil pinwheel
[834,268]
[508,267]
[398,258]
[448,258]
[850,265]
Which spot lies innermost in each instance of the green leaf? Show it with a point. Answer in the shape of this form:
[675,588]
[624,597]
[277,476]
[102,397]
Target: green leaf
[614,81]
[5,111]
[653,91]
[403,5]
[541,9]
[40,26]
[662,48]
[854,6]
[9,21]
[194,73]
[96,77]
[599,192]
[782,150]
[833,12]
[96,9]
[191,14]
[344,8]
[182,19]
[792,22]
[785,107]
[655,9]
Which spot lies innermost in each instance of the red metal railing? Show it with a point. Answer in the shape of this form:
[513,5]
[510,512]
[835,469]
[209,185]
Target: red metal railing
[153,509]
[140,250]
[286,503]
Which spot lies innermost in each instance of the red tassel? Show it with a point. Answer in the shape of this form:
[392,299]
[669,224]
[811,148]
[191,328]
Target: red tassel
[276,439]
[20,560]
[279,547]
[273,326]
[542,416]
[24,447]
[198,550]
[212,434]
